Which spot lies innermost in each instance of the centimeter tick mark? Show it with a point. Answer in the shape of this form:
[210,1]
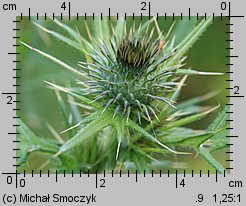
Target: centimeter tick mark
[96,178]
[176,178]
[69,10]
[56,176]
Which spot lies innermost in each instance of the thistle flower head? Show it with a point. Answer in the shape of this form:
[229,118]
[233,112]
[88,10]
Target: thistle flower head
[136,52]
[128,74]
[132,74]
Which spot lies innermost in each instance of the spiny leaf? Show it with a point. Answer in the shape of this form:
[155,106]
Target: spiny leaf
[177,131]
[73,94]
[119,28]
[193,141]
[215,144]
[173,96]
[194,72]
[140,161]
[189,41]
[182,28]
[63,110]
[196,100]
[120,127]
[218,141]
[140,150]
[220,120]
[207,156]
[88,131]
[68,29]
[74,109]
[72,43]
[85,120]
[29,143]
[139,129]
[101,28]
[59,62]
[156,150]
[187,120]
[55,134]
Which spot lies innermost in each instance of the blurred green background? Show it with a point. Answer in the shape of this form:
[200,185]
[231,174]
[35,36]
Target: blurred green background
[39,105]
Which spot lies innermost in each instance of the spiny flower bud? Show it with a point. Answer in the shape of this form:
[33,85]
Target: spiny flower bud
[127,75]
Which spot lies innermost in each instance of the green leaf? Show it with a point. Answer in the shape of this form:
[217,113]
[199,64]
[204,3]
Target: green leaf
[74,109]
[29,143]
[194,72]
[187,120]
[215,144]
[120,127]
[172,96]
[220,120]
[182,28]
[88,131]
[156,150]
[141,150]
[101,28]
[63,110]
[59,62]
[196,100]
[75,44]
[189,41]
[119,28]
[68,29]
[218,141]
[210,159]
[139,129]
[83,122]
[193,141]
[204,144]
[177,131]
[73,94]
[139,161]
